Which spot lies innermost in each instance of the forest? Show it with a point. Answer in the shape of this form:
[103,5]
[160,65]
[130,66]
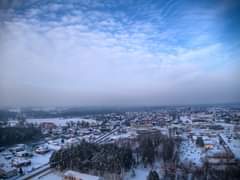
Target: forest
[87,156]
[115,158]
[16,135]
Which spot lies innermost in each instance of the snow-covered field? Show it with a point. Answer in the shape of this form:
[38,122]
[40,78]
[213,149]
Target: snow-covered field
[59,121]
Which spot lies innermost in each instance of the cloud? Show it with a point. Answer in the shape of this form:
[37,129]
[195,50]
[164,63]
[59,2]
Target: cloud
[89,57]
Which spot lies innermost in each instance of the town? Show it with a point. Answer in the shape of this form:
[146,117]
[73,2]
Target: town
[177,142]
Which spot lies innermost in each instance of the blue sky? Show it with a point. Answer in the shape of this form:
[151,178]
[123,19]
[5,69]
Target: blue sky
[118,52]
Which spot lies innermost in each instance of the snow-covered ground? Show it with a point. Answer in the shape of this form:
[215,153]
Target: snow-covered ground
[60,121]
[37,161]
[185,119]
[54,145]
[217,148]
[49,175]
[141,173]
[122,136]
[190,154]
[233,144]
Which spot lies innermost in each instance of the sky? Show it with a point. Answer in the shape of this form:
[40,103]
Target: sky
[119,52]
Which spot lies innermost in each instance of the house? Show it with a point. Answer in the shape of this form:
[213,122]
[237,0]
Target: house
[208,144]
[12,123]
[19,162]
[42,150]
[7,172]
[24,154]
[48,125]
[74,175]
[17,149]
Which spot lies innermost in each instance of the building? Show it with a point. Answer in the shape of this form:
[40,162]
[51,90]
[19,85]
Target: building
[48,125]
[19,162]
[24,154]
[7,172]
[73,175]
[42,150]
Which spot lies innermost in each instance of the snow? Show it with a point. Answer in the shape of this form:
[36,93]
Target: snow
[40,159]
[122,136]
[59,121]
[191,154]
[3,160]
[37,160]
[49,175]
[235,148]
[80,175]
[54,145]
[140,174]
[233,144]
[185,119]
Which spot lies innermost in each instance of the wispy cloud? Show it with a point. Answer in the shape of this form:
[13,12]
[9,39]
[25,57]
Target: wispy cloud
[94,52]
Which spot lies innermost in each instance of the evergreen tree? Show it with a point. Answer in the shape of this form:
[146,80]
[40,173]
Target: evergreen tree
[199,141]
[13,135]
[168,149]
[153,175]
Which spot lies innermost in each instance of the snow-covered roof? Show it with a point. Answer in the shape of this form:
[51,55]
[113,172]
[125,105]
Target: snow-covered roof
[81,175]
[7,169]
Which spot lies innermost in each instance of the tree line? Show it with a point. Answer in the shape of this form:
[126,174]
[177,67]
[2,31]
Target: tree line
[14,135]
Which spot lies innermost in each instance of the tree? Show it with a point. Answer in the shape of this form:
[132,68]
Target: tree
[199,141]
[153,175]
[20,171]
[148,146]
[147,151]
[13,135]
[168,149]
[86,156]
[133,174]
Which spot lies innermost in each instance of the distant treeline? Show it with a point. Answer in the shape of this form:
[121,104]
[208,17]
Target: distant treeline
[83,111]
[5,115]
[71,112]
[15,135]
